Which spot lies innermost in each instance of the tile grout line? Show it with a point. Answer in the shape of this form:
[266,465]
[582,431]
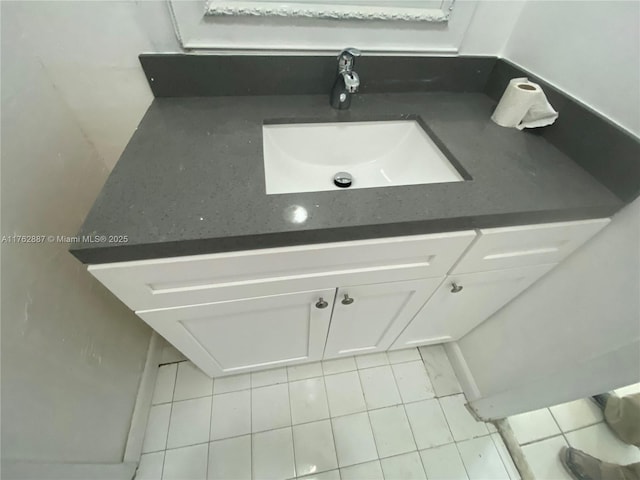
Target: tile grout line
[321,420]
[583,427]
[339,416]
[455,441]
[397,455]
[565,436]
[347,414]
[543,439]
[171,363]
[559,428]
[563,431]
[555,420]
[190,399]
[333,435]
[213,380]
[464,465]
[293,444]
[375,443]
[446,419]
[404,409]
[186,446]
[315,376]
[166,440]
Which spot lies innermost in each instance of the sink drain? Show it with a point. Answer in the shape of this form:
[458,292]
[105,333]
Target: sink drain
[343,179]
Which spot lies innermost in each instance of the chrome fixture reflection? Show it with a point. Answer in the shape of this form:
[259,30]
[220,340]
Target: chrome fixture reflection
[343,179]
[347,81]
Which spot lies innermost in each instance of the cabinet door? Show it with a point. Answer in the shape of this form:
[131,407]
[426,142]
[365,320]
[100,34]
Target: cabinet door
[368,318]
[464,301]
[251,333]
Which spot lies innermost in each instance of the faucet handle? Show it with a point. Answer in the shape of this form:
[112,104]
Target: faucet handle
[354,52]
[346,59]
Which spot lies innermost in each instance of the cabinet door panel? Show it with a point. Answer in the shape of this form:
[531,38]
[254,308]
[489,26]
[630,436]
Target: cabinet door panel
[376,316]
[230,337]
[450,315]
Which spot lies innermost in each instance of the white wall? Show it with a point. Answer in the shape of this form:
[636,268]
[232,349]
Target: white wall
[72,94]
[590,49]
[491,26]
[577,331]
[89,53]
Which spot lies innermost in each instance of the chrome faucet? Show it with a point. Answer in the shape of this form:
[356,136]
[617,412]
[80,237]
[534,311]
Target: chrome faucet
[347,81]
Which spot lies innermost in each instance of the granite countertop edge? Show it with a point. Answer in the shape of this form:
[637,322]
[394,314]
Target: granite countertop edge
[156,190]
[122,252]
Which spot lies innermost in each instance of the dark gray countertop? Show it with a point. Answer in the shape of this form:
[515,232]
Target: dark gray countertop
[191,180]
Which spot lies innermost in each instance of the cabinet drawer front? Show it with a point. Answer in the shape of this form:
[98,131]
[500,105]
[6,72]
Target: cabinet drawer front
[368,318]
[170,282]
[454,310]
[248,334]
[509,247]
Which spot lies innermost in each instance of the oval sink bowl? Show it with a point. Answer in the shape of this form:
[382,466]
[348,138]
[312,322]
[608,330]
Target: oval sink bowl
[305,157]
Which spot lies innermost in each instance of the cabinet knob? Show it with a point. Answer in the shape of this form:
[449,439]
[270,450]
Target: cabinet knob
[347,300]
[455,288]
[321,303]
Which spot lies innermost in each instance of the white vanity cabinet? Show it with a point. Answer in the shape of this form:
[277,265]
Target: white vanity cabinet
[464,301]
[248,333]
[368,318]
[249,310]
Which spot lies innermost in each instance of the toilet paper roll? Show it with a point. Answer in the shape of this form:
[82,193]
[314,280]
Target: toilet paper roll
[524,105]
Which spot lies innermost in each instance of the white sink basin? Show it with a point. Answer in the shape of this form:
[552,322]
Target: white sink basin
[305,157]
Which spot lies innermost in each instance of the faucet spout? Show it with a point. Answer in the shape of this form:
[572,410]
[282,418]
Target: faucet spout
[351,81]
[347,81]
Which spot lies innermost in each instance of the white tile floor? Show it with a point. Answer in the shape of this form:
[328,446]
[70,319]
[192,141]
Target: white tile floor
[579,424]
[390,416]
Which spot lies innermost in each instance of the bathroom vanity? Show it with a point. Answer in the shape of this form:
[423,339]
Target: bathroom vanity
[242,271]
[247,310]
